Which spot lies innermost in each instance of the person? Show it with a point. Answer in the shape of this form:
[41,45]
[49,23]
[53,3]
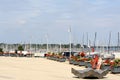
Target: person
[99,63]
[94,61]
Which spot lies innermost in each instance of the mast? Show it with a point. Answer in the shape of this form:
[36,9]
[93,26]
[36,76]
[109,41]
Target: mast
[47,41]
[118,41]
[60,47]
[87,39]
[89,45]
[83,42]
[109,42]
[31,46]
[95,40]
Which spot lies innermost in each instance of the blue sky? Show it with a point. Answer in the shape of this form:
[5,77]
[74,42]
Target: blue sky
[31,20]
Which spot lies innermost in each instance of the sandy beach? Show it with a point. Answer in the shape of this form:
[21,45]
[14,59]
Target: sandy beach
[16,68]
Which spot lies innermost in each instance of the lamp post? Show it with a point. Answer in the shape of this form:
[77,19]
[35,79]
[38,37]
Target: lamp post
[70,39]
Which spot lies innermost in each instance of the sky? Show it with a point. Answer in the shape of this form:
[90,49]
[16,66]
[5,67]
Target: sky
[31,20]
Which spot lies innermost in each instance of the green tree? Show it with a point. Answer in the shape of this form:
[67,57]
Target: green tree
[1,50]
[78,45]
[20,48]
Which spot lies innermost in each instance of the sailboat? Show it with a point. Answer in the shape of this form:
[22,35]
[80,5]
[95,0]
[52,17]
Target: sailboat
[117,53]
[108,54]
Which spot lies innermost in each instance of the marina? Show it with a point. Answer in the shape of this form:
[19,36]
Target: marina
[59,39]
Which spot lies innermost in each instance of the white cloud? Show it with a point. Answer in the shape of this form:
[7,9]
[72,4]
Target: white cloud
[21,22]
[35,13]
[55,16]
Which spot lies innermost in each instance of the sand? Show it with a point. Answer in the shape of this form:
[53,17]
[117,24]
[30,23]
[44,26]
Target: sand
[16,68]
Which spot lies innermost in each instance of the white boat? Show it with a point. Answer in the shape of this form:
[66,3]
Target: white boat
[117,54]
